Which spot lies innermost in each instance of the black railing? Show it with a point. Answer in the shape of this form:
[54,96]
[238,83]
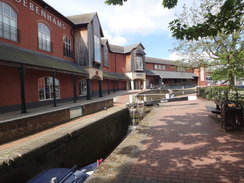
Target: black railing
[9,32]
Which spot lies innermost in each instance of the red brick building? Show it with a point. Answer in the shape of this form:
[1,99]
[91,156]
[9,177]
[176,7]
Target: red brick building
[47,58]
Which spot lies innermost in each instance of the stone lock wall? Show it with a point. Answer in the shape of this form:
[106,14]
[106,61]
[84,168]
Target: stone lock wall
[82,143]
[17,128]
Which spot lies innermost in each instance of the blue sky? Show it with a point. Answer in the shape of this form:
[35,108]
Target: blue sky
[137,21]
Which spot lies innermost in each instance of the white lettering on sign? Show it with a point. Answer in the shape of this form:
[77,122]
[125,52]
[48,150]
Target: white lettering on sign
[41,12]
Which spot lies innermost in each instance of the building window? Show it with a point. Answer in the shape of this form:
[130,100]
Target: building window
[44,37]
[139,63]
[82,87]
[105,56]
[67,47]
[181,69]
[8,22]
[97,49]
[45,88]
[160,67]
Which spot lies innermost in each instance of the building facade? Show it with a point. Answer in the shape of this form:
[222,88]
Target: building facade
[47,58]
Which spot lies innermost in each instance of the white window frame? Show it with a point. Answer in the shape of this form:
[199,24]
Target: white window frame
[106,56]
[97,49]
[45,88]
[139,63]
[8,22]
[44,37]
[67,47]
[82,87]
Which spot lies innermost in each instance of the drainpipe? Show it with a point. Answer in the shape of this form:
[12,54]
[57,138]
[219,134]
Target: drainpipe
[88,90]
[22,88]
[115,70]
[100,88]
[74,87]
[54,90]
[108,87]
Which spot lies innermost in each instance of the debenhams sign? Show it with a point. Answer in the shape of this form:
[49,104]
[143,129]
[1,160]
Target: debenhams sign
[39,11]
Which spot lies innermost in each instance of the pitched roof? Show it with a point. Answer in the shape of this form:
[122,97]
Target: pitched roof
[85,19]
[124,50]
[117,49]
[171,74]
[160,61]
[166,62]
[131,47]
[117,76]
[82,18]
[14,54]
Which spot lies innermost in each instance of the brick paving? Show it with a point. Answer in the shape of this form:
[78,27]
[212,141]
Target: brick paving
[186,144]
[183,142]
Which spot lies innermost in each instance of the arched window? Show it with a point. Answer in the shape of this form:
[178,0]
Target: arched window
[82,87]
[67,47]
[8,22]
[45,88]
[44,37]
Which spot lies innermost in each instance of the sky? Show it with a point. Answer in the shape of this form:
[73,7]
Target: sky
[137,21]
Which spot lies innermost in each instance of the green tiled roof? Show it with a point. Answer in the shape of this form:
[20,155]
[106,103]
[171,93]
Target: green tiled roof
[18,55]
[171,74]
[116,76]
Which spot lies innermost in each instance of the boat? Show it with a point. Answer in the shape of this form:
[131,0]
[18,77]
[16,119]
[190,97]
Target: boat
[65,175]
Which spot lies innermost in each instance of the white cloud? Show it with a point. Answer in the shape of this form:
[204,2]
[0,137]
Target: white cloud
[175,56]
[136,21]
[116,40]
[141,17]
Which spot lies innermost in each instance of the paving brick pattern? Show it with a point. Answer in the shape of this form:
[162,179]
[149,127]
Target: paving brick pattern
[186,144]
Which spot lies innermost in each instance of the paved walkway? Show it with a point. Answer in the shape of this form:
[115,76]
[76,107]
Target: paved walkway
[8,116]
[179,142]
[176,142]
[120,98]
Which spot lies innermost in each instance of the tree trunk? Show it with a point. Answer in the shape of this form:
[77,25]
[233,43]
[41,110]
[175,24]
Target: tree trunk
[231,81]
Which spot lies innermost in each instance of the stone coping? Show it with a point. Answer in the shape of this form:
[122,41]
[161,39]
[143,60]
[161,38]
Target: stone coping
[116,166]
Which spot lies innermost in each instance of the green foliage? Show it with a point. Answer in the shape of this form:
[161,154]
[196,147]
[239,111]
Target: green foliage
[115,2]
[223,53]
[227,21]
[166,3]
[221,93]
[169,3]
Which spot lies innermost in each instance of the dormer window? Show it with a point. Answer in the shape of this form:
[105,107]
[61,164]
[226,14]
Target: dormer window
[139,63]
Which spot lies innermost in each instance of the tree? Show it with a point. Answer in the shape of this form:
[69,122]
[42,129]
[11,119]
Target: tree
[214,38]
[224,52]
[166,3]
[227,20]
